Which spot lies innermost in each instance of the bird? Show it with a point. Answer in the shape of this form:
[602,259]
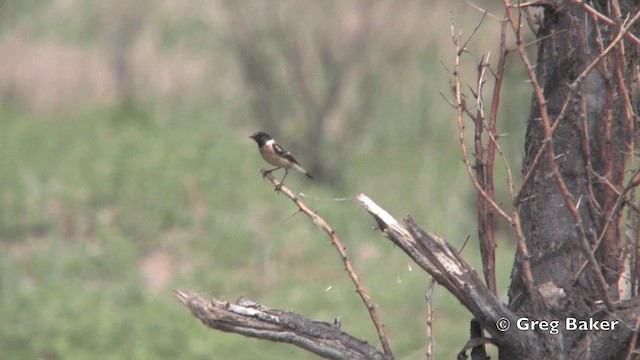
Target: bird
[276,155]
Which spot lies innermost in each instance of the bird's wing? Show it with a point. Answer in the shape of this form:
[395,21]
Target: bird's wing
[284,153]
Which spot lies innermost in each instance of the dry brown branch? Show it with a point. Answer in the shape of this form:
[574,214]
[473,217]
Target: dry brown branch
[484,153]
[461,108]
[621,70]
[598,15]
[248,318]
[612,216]
[495,102]
[484,175]
[536,3]
[335,241]
[593,201]
[536,160]
[616,41]
[527,274]
[614,189]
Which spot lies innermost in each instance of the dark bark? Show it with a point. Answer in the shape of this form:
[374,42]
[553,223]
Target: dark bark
[589,147]
[437,257]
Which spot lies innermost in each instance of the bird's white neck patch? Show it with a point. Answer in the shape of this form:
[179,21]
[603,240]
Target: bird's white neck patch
[270,142]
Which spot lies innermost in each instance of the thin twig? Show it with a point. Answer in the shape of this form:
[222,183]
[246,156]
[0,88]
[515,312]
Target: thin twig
[616,191]
[460,107]
[324,226]
[586,149]
[614,43]
[495,103]
[483,10]
[598,15]
[429,298]
[536,3]
[475,30]
[611,216]
[531,169]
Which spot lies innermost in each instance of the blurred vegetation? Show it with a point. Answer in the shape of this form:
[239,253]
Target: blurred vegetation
[125,169]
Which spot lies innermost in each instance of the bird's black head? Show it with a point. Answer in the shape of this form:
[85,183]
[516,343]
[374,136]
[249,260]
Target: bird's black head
[261,137]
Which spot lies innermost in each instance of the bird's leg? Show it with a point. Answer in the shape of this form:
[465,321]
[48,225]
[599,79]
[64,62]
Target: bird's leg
[282,181]
[270,171]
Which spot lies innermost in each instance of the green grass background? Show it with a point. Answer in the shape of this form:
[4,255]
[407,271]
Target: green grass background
[104,210]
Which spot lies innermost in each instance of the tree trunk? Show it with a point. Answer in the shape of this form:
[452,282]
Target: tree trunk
[569,204]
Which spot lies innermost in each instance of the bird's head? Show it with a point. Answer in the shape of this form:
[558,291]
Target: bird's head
[261,137]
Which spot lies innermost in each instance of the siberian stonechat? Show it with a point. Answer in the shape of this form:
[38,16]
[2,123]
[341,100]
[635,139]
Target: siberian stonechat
[276,155]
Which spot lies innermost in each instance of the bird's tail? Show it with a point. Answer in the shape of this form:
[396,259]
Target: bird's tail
[302,170]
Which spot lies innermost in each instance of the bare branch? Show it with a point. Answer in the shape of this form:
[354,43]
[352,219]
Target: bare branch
[483,10]
[598,15]
[612,216]
[324,226]
[248,318]
[429,314]
[434,255]
[462,108]
[616,41]
[484,174]
[495,101]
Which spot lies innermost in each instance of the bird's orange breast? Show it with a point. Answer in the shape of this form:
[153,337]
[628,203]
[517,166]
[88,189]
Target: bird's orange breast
[269,155]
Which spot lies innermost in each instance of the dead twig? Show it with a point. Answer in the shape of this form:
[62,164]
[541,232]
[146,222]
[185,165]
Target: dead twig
[335,241]
[601,17]
[611,216]
[461,109]
[248,318]
[484,174]
[624,30]
[429,313]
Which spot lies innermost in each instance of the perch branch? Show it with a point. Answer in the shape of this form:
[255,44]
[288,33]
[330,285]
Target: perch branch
[251,319]
[324,226]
